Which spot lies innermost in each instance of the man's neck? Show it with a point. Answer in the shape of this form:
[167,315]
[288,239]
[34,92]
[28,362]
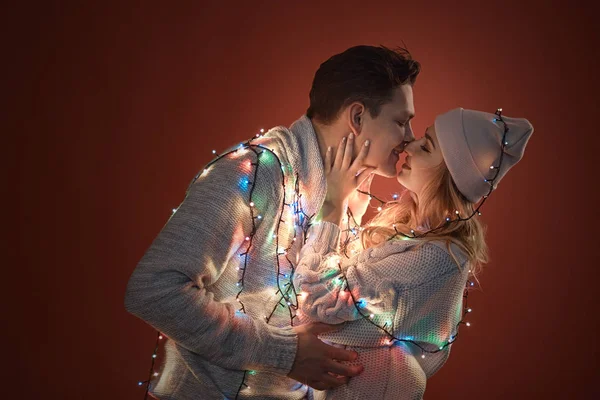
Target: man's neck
[328,135]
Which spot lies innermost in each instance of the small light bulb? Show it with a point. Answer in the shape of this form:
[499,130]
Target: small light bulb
[259,217]
[468,324]
[262,130]
[371,316]
[156,374]
[160,337]
[469,310]
[447,218]
[140,383]
[456,212]
[247,238]
[174,210]
[379,208]
[214,152]
[423,356]
[251,204]
[153,355]
[492,167]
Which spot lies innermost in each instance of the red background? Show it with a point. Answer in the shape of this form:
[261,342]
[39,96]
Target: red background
[112,108]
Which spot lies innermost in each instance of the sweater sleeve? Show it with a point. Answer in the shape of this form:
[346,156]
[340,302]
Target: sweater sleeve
[376,279]
[171,286]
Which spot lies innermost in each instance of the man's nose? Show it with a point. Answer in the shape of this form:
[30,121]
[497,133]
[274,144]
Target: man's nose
[409,136]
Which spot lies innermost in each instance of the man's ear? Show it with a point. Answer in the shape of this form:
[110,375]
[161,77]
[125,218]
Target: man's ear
[356,117]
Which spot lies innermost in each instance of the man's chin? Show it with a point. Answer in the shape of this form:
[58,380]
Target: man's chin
[386,172]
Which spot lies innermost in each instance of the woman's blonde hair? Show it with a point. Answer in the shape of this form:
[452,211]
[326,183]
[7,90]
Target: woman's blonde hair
[439,200]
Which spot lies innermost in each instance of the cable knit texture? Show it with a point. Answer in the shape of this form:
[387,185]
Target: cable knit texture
[185,284]
[412,288]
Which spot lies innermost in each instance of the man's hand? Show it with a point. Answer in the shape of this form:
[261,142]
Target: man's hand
[317,364]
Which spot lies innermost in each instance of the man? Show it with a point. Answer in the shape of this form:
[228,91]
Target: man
[217,281]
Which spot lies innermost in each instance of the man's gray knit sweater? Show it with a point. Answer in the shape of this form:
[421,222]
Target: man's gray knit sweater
[221,309]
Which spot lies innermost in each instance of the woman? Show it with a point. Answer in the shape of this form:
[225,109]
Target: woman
[404,291]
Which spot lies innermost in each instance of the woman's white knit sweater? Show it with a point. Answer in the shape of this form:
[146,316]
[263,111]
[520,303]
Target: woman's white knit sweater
[187,282]
[413,289]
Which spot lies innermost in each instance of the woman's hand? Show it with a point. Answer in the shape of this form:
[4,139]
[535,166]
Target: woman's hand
[343,175]
[359,202]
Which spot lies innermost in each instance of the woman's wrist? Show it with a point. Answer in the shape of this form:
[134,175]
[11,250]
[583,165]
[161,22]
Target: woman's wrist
[331,213]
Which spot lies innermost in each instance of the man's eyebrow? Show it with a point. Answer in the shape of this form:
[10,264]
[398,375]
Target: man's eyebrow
[430,139]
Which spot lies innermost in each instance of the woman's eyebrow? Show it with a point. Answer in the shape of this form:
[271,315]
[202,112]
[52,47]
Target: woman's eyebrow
[430,139]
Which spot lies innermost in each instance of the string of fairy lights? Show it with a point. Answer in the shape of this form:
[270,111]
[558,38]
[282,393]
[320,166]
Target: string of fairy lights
[361,303]
[288,296]
[300,221]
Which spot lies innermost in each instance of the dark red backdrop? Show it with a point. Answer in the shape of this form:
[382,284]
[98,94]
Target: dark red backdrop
[112,108]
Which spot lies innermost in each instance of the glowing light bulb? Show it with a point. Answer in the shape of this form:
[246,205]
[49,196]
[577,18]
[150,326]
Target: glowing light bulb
[214,152]
[468,324]
[251,204]
[379,208]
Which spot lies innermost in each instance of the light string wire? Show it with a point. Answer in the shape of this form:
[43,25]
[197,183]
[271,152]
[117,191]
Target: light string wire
[300,220]
[469,284]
